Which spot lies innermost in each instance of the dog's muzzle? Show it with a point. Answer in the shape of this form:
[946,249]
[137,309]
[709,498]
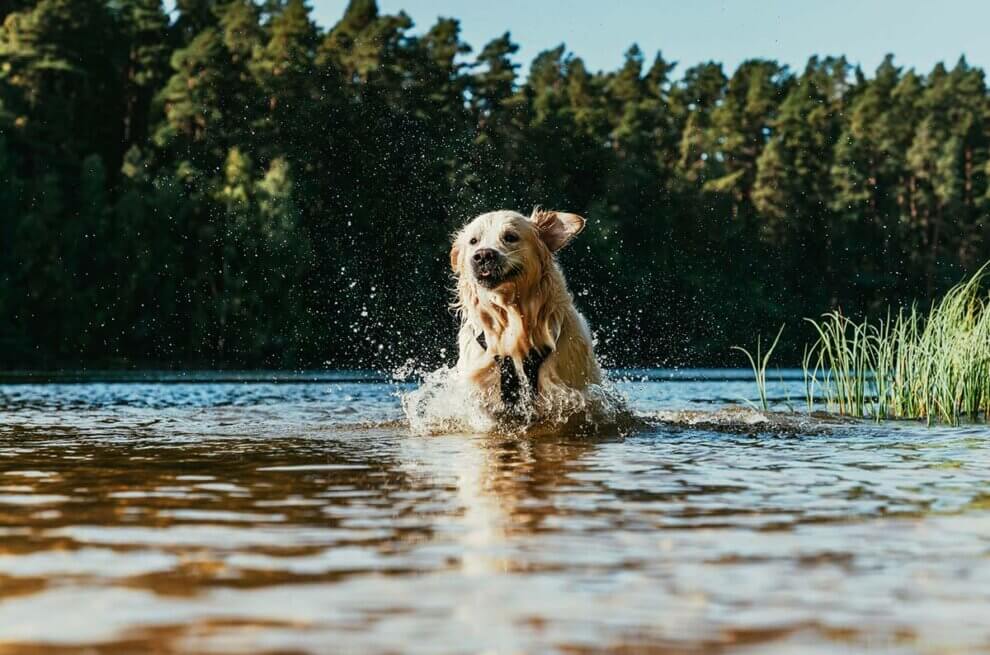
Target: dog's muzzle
[487,265]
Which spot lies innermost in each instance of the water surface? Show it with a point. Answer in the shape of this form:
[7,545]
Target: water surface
[297,513]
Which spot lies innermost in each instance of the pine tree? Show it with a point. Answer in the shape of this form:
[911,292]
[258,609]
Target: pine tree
[61,61]
[791,188]
[284,68]
[740,125]
[194,16]
[146,28]
[210,102]
[242,34]
[496,111]
[692,103]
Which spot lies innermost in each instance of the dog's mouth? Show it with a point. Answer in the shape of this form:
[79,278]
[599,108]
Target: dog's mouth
[491,275]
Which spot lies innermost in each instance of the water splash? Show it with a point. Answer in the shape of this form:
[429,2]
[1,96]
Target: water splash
[444,404]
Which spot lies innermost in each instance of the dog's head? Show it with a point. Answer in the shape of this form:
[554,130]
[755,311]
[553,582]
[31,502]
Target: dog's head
[503,247]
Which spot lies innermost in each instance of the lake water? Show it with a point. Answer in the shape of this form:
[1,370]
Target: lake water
[297,513]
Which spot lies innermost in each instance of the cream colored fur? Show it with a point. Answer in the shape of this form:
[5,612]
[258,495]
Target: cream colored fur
[530,310]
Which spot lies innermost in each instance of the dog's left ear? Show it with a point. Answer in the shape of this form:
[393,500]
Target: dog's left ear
[556,228]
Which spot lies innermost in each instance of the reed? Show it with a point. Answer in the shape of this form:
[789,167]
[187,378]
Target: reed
[759,365]
[934,366]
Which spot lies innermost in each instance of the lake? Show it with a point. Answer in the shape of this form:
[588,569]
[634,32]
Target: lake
[297,513]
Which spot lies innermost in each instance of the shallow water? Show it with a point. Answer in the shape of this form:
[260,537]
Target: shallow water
[298,514]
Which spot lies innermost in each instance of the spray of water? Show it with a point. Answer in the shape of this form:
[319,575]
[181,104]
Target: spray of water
[443,404]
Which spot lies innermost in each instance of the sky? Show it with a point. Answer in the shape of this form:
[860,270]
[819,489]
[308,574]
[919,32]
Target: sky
[919,33]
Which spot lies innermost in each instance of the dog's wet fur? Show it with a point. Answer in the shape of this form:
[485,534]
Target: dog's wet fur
[521,337]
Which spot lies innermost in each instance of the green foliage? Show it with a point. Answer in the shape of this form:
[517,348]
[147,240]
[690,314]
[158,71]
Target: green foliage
[759,363]
[934,366]
[240,187]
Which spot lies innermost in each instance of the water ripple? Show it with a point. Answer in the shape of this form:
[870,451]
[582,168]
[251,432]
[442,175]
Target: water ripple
[303,516]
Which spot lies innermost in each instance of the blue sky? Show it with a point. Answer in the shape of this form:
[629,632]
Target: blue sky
[919,33]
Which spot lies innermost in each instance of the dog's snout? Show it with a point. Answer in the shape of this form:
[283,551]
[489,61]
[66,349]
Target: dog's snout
[486,263]
[485,256]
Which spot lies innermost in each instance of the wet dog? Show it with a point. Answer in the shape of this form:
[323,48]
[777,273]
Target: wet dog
[521,340]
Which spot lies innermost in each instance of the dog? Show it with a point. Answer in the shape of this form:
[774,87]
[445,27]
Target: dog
[521,339]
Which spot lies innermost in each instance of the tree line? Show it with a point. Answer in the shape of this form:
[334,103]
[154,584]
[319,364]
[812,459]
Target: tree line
[233,185]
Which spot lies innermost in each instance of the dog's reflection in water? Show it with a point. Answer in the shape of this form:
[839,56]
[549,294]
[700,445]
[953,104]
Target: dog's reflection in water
[507,488]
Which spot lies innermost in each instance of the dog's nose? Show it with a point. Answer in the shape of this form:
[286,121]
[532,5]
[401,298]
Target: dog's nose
[484,256]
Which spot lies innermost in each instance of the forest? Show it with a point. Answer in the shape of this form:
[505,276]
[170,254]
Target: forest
[231,185]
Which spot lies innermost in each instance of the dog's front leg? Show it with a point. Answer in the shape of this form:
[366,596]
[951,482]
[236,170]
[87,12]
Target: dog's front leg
[510,384]
[531,367]
[499,374]
[511,387]
[508,381]
[538,354]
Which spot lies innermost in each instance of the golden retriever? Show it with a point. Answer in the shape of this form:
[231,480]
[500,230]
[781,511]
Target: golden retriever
[522,341]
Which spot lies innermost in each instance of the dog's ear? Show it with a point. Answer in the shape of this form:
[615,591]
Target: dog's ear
[556,228]
[455,258]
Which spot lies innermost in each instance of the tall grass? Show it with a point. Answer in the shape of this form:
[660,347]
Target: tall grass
[934,366]
[759,365]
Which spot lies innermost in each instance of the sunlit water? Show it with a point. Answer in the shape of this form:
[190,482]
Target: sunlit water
[302,515]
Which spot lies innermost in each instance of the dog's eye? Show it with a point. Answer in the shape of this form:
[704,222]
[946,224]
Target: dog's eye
[510,237]
[473,241]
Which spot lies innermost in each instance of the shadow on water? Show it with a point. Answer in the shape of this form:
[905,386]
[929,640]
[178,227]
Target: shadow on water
[307,518]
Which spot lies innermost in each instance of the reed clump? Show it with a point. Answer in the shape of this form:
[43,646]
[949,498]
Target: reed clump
[909,365]
[759,364]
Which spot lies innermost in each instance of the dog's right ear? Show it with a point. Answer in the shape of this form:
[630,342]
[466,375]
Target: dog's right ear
[455,258]
[556,228]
